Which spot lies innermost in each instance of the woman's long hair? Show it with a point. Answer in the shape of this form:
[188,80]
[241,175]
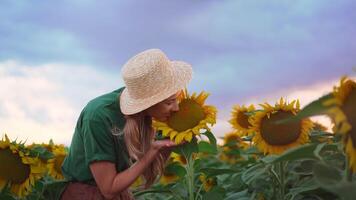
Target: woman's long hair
[138,134]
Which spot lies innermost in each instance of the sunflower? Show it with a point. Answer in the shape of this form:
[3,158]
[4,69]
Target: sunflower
[168,177]
[54,164]
[240,119]
[138,182]
[232,141]
[47,147]
[18,169]
[345,117]
[192,117]
[208,183]
[275,138]
[342,110]
[319,127]
[228,158]
[178,158]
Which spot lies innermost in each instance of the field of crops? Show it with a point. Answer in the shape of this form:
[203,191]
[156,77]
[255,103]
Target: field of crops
[274,151]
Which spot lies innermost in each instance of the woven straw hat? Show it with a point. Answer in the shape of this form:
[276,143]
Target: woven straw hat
[150,77]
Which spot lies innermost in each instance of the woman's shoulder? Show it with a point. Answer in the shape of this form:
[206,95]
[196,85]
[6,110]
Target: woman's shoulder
[99,107]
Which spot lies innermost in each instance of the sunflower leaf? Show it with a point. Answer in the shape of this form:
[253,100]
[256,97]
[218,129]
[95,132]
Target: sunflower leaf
[316,107]
[210,136]
[6,196]
[41,152]
[301,152]
[148,191]
[54,189]
[330,178]
[326,175]
[253,172]
[215,193]
[324,147]
[210,172]
[304,186]
[241,195]
[206,147]
[5,192]
[345,190]
[176,169]
[187,149]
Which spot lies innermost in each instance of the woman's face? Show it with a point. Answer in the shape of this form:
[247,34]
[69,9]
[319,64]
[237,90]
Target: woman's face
[163,110]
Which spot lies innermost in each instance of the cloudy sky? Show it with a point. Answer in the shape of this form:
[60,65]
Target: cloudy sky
[57,55]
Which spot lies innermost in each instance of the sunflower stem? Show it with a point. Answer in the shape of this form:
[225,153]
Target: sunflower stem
[190,176]
[198,193]
[348,171]
[349,175]
[281,178]
[273,172]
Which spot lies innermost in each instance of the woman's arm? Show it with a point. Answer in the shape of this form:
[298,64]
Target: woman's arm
[112,183]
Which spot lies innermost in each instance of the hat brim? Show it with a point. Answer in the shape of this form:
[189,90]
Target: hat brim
[181,75]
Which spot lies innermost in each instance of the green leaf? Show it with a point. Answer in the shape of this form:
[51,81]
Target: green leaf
[304,167]
[300,152]
[187,149]
[316,107]
[326,175]
[253,172]
[305,186]
[242,195]
[211,172]
[235,152]
[159,135]
[161,190]
[252,150]
[176,169]
[215,193]
[345,190]
[210,136]
[206,147]
[6,196]
[330,178]
[324,147]
[54,189]
[5,192]
[41,152]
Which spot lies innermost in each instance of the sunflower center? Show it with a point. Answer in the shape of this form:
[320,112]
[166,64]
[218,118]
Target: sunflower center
[231,139]
[189,115]
[349,108]
[12,168]
[242,120]
[58,163]
[280,134]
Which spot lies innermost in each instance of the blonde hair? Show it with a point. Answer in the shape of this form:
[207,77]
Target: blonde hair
[138,134]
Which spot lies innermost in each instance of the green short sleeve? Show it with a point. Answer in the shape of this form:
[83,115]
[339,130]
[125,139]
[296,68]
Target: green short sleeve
[98,142]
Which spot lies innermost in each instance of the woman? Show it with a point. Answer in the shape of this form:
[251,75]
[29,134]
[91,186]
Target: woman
[113,143]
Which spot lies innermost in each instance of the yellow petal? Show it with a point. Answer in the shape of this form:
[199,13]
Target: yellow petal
[188,137]
[179,138]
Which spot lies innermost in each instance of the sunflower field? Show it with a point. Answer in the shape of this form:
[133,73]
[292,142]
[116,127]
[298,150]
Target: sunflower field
[273,151]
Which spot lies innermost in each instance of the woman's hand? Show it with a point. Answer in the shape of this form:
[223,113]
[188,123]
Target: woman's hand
[112,183]
[165,147]
[159,145]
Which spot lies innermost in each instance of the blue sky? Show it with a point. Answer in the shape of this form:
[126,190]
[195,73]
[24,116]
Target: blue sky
[57,55]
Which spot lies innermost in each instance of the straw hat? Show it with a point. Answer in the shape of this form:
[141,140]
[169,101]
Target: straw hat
[150,77]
